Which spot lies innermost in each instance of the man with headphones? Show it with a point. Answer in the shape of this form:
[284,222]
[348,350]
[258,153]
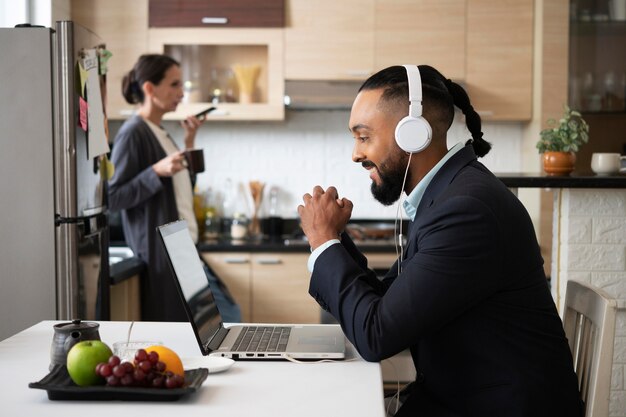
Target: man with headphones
[468,295]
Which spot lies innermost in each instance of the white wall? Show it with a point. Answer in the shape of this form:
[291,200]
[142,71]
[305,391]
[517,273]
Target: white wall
[589,245]
[310,148]
[36,12]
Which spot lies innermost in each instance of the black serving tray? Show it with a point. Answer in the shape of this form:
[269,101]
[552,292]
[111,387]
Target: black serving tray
[59,386]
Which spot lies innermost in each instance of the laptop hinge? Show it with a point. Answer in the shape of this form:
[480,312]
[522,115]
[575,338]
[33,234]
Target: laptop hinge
[216,340]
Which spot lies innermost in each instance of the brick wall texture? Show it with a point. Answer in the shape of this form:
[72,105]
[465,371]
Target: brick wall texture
[589,245]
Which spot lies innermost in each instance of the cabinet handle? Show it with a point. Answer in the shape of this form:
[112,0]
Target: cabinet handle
[485,113]
[214,20]
[269,261]
[237,261]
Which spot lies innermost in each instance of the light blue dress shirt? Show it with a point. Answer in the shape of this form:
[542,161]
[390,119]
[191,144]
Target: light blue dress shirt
[410,204]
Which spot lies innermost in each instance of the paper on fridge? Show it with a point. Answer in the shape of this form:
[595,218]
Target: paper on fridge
[97,140]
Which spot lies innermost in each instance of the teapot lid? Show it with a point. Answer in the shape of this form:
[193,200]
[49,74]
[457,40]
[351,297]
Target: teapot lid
[76,324]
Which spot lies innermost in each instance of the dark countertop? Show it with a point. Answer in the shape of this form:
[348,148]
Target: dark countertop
[122,270]
[284,246]
[575,180]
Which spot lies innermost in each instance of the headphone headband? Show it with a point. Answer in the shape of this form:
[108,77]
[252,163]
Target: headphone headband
[413,133]
[415,90]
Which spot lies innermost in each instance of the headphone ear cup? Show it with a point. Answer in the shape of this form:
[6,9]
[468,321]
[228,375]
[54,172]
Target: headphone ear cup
[413,134]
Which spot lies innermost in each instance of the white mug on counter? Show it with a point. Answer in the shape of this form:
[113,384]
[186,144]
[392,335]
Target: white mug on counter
[605,163]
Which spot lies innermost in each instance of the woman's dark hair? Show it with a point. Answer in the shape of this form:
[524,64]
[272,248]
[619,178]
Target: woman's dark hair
[439,96]
[150,67]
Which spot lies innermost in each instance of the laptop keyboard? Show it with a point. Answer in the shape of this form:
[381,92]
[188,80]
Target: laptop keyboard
[262,339]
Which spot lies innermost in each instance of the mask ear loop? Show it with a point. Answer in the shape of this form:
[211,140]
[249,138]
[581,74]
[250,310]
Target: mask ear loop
[400,240]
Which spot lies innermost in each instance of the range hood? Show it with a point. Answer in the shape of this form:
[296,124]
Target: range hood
[320,95]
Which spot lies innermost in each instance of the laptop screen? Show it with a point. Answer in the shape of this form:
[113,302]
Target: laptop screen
[192,279]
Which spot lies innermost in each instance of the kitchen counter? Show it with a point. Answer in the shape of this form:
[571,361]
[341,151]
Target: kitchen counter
[125,269]
[536,180]
[285,245]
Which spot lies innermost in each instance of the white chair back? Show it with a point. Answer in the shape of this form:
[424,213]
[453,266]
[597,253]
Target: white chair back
[589,323]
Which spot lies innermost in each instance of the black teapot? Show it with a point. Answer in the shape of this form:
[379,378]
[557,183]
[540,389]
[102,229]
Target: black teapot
[67,335]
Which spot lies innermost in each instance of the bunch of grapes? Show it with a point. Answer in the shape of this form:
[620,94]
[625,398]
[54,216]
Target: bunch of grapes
[147,371]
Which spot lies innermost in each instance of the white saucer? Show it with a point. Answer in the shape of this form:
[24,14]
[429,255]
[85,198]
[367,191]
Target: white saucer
[214,364]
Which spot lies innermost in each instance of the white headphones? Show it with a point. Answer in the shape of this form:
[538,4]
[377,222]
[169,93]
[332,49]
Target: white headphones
[413,133]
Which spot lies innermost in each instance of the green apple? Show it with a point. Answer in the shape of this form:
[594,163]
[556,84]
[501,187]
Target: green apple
[82,360]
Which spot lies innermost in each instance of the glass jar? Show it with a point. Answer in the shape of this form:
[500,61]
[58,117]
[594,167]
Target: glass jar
[211,224]
[239,226]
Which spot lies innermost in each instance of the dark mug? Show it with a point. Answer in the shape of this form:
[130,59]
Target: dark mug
[195,160]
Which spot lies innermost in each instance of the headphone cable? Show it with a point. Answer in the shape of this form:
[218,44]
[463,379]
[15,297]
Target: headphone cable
[400,240]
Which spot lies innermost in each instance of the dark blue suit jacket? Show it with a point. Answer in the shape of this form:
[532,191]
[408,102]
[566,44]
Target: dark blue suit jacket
[472,303]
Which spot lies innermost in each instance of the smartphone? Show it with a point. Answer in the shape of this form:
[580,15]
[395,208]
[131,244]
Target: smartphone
[203,113]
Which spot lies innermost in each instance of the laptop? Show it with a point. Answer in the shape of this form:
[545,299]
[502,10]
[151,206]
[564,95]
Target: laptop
[256,341]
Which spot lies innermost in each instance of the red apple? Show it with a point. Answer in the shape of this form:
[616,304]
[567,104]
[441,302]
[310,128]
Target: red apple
[82,360]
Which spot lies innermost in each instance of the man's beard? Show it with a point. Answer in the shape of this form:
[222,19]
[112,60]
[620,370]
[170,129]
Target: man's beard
[391,173]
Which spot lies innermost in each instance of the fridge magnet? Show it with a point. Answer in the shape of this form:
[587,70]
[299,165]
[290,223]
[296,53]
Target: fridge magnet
[103,55]
[83,110]
[107,169]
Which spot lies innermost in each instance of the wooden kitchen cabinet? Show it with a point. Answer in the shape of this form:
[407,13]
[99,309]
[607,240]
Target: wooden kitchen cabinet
[126,300]
[224,13]
[421,32]
[234,269]
[329,39]
[222,49]
[280,289]
[269,287]
[597,77]
[500,58]
[485,45]
[350,40]
[123,26]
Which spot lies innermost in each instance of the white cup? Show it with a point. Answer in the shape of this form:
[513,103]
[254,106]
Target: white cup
[605,163]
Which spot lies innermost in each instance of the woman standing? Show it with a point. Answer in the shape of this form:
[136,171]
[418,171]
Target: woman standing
[151,185]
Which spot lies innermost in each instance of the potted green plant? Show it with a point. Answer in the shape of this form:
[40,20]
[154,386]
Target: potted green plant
[561,140]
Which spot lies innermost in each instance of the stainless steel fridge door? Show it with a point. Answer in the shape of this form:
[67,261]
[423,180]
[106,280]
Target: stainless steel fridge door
[82,235]
[83,269]
[80,189]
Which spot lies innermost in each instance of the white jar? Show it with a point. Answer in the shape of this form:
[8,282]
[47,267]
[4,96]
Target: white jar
[239,226]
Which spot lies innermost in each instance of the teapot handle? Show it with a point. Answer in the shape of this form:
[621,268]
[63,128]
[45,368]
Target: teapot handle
[74,338]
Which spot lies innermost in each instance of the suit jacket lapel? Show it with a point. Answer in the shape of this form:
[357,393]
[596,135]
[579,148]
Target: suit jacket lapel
[440,181]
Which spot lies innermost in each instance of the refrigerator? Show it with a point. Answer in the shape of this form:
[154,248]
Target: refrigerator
[53,218]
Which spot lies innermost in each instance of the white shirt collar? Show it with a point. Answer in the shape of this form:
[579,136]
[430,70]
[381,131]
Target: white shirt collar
[413,200]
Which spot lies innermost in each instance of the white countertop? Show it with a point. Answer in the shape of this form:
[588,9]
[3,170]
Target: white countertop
[349,388]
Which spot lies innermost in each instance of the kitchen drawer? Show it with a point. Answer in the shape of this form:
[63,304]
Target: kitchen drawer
[234,269]
[280,288]
[269,287]
[217,13]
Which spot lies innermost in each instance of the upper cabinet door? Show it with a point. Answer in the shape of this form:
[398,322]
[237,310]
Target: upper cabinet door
[421,32]
[329,39]
[500,58]
[217,13]
[124,27]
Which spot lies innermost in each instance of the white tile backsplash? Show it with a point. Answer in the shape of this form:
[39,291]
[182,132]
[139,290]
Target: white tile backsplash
[314,148]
